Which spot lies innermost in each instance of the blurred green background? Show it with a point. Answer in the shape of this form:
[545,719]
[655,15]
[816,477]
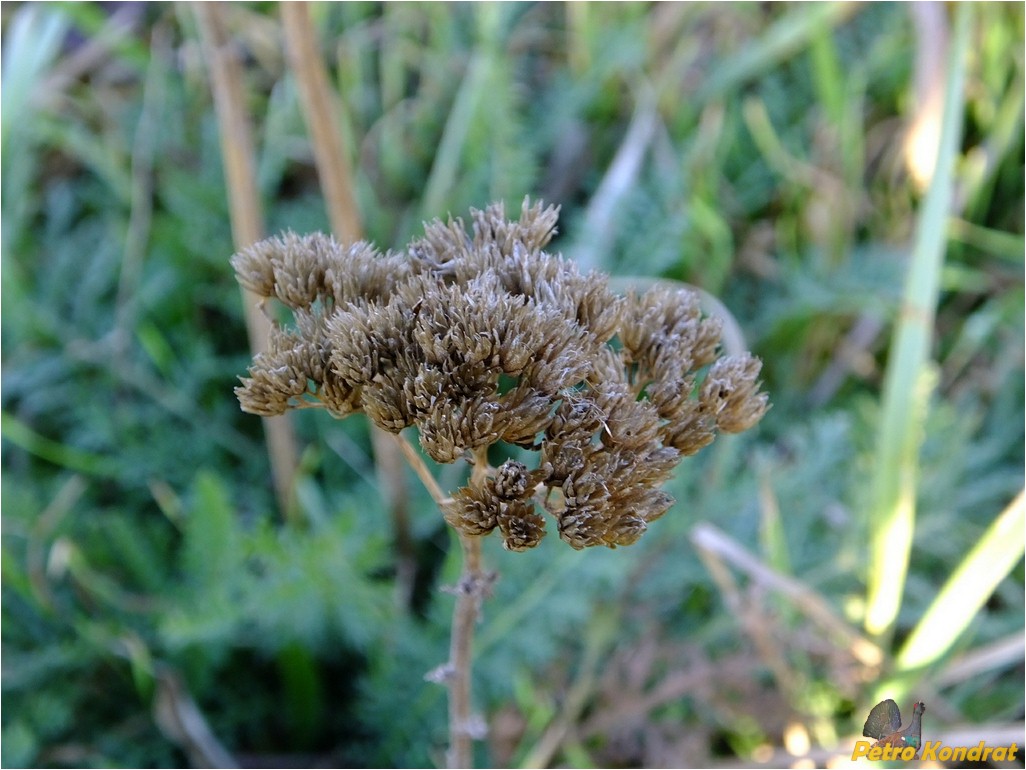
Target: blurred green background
[158,609]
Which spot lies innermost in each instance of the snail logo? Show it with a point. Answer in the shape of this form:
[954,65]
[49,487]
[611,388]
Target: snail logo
[894,743]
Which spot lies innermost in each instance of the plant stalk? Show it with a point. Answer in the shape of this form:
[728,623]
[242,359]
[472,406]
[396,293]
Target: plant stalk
[419,467]
[473,586]
[246,219]
[469,592]
[322,110]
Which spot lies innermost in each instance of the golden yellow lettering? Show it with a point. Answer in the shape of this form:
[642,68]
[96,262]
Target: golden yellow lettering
[891,753]
[930,751]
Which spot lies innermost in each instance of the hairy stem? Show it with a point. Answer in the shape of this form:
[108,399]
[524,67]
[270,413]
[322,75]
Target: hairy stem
[473,586]
[469,592]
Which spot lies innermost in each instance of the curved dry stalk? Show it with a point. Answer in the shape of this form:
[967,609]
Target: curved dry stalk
[716,549]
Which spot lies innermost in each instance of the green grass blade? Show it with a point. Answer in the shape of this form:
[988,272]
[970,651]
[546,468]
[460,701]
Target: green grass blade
[827,75]
[906,385]
[19,434]
[970,585]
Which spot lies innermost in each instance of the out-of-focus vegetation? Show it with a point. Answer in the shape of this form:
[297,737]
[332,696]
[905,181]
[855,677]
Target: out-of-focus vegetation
[757,151]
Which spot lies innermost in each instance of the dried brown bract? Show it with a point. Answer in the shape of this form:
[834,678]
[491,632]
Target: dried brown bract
[482,338]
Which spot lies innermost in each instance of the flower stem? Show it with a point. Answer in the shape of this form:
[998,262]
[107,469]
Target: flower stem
[469,590]
[473,586]
[420,468]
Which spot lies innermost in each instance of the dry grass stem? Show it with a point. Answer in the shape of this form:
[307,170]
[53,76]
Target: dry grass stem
[320,106]
[179,718]
[600,219]
[711,541]
[321,109]
[247,220]
[1006,651]
[750,615]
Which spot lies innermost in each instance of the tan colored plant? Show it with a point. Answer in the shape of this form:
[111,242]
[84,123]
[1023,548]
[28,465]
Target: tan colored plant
[487,338]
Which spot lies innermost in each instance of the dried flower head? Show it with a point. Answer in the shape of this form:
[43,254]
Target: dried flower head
[482,338]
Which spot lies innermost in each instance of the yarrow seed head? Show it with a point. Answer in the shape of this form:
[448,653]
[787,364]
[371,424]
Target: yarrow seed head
[476,339]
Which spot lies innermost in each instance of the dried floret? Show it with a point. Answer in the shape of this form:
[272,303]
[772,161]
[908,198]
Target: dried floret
[473,510]
[511,480]
[733,389]
[520,526]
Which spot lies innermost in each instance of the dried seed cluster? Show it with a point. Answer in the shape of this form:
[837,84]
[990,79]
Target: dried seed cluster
[489,338]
